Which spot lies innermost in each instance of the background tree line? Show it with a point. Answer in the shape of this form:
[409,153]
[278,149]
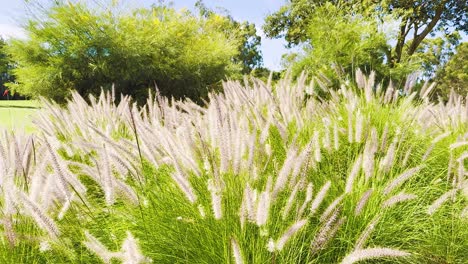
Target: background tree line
[185,54]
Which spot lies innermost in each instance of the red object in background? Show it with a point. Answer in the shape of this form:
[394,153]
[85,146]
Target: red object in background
[5,92]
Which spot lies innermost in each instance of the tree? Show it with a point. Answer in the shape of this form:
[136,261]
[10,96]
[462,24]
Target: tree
[5,67]
[249,54]
[434,53]
[339,44]
[455,73]
[416,18]
[76,47]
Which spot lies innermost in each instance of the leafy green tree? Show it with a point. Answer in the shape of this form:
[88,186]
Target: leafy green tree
[339,44]
[76,47]
[455,73]
[5,67]
[249,54]
[434,53]
[417,20]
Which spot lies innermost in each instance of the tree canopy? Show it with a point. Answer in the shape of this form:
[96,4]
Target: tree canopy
[454,75]
[75,47]
[5,67]
[299,21]
[249,54]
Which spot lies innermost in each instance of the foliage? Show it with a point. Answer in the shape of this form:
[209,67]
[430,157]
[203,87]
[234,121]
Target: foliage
[249,54]
[434,53]
[338,44]
[75,47]
[420,18]
[261,174]
[454,75]
[5,67]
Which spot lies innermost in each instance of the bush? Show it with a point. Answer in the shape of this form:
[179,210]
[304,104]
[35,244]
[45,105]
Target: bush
[75,47]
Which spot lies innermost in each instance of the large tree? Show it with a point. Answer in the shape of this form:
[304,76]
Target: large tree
[417,20]
[74,46]
[454,75]
[5,67]
[339,44]
[249,54]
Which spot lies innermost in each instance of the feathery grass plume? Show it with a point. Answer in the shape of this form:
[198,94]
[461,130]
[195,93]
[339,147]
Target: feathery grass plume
[126,191]
[464,213]
[303,157]
[250,201]
[185,186]
[319,197]
[359,127]
[238,259]
[65,177]
[458,181]
[441,137]
[406,157]
[353,174]
[331,208]
[387,162]
[283,174]
[308,198]
[362,240]
[426,90]
[130,253]
[317,152]
[383,143]
[290,232]
[326,137]
[8,230]
[368,88]
[65,207]
[400,179]
[252,149]
[441,200]
[458,145]
[373,253]
[428,152]
[290,201]
[336,139]
[107,177]
[215,192]
[98,248]
[350,126]
[398,198]
[41,218]
[360,80]
[368,155]
[326,232]
[362,202]
[263,208]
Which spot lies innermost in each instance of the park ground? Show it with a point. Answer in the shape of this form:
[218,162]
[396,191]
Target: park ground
[17,114]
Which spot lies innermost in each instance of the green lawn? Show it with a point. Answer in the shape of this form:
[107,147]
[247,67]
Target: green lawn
[17,114]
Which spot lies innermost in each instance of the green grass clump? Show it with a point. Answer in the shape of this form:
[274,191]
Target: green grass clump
[259,175]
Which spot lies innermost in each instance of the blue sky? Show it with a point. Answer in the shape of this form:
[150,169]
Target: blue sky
[13,14]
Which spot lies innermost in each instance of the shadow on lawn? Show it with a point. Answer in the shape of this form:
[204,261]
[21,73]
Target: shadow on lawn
[19,106]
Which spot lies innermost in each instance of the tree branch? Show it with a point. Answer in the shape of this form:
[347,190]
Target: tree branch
[420,37]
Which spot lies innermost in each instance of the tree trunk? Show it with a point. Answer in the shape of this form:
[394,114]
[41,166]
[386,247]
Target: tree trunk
[420,37]
[396,57]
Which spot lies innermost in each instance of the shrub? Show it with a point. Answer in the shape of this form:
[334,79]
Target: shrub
[75,47]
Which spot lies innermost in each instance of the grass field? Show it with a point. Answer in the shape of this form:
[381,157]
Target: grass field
[17,114]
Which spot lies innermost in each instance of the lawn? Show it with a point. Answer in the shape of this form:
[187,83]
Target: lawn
[17,114]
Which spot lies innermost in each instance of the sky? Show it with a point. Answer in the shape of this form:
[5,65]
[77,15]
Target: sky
[13,13]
